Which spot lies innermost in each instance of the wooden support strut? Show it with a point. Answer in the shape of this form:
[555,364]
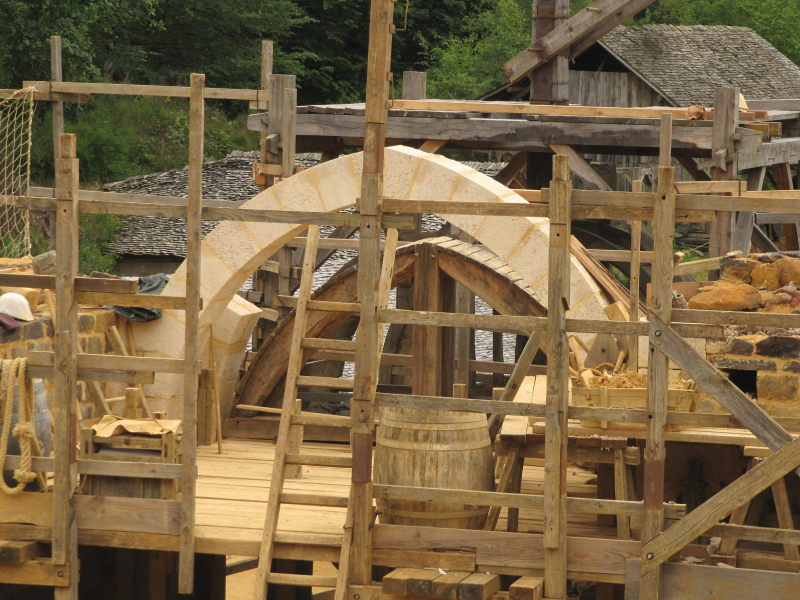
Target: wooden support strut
[367,362]
[65,534]
[658,362]
[555,514]
[191,372]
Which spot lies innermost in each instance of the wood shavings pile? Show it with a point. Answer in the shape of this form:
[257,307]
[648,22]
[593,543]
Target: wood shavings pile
[592,378]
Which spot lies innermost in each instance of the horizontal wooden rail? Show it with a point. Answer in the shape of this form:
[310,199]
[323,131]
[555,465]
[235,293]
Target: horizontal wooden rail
[406,360]
[304,418]
[112,362]
[100,513]
[43,571]
[109,468]
[523,325]
[447,207]
[321,305]
[82,284]
[133,300]
[511,500]
[521,108]
[756,534]
[128,89]
[730,317]
[89,374]
[629,415]
[645,256]
[152,208]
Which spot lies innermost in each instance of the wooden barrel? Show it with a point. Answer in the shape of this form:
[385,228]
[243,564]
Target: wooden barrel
[433,449]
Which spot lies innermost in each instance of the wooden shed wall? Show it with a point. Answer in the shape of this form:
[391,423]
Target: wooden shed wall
[601,88]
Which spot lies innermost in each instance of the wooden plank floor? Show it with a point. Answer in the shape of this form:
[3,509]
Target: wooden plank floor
[232,499]
[232,492]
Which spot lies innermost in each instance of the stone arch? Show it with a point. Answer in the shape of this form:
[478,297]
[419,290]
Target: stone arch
[234,249]
[478,270]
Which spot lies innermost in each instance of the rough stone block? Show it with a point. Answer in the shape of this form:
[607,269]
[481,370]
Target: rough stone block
[7,337]
[45,264]
[737,345]
[746,364]
[727,297]
[779,346]
[737,268]
[85,323]
[778,387]
[773,299]
[33,331]
[792,367]
[789,270]
[40,345]
[19,352]
[766,275]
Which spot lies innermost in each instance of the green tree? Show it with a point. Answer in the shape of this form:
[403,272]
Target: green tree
[468,66]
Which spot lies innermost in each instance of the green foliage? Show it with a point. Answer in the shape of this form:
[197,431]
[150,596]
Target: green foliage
[96,231]
[465,67]
[119,137]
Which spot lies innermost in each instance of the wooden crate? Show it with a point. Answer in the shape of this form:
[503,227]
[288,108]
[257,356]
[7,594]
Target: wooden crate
[606,397]
[130,448]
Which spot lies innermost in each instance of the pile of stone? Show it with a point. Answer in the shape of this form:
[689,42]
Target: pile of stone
[763,282]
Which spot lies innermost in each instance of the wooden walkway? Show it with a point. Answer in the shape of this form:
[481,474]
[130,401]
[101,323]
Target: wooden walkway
[232,499]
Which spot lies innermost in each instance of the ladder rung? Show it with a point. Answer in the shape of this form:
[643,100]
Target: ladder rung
[302,580]
[304,418]
[319,460]
[314,499]
[337,383]
[328,344]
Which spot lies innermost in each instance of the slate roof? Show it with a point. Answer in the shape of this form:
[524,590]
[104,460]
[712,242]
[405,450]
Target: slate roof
[686,63]
[227,179]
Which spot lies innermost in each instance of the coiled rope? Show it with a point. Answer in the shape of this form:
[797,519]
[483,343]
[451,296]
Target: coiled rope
[14,378]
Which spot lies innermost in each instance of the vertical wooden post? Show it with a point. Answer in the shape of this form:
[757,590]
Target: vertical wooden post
[635,274]
[555,483]
[463,302]
[288,129]
[56,74]
[274,144]
[426,376]
[782,174]
[191,334]
[65,533]
[267,57]
[658,366]
[723,148]
[415,85]
[550,82]
[742,234]
[366,358]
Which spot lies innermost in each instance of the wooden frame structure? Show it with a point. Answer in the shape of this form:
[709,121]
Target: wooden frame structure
[643,565]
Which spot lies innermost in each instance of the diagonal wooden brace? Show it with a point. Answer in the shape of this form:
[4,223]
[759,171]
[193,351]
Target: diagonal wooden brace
[708,514]
[713,382]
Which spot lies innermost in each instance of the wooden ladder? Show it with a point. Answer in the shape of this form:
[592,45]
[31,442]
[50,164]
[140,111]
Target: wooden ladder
[288,458]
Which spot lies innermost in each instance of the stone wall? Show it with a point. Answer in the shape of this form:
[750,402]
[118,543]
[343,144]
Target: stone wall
[775,360]
[93,323]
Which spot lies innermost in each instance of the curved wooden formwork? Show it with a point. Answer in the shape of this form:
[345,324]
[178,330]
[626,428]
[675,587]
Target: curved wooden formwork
[235,249]
[477,269]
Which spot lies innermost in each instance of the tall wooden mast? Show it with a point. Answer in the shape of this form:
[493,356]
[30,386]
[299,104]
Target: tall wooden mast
[369,205]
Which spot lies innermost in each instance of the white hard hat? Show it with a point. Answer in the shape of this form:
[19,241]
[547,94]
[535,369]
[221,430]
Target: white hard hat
[15,305]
